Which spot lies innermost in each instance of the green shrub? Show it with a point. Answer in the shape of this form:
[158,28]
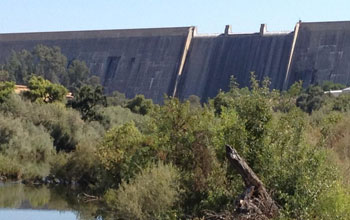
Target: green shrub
[299,174]
[86,100]
[9,167]
[342,103]
[4,75]
[6,88]
[15,106]
[328,85]
[150,195]
[28,146]
[82,165]
[117,99]
[311,100]
[140,105]
[123,152]
[333,204]
[116,115]
[221,100]
[42,90]
[64,125]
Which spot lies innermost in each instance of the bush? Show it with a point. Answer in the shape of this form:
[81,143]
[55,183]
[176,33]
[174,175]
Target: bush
[299,174]
[15,106]
[112,116]
[140,105]
[42,90]
[6,88]
[9,167]
[333,204]
[342,103]
[311,100]
[64,125]
[328,85]
[29,147]
[123,152]
[150,195]
[82,165]
[117,98]
[86,100]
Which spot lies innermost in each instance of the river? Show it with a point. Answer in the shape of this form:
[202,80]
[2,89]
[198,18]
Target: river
[21,202]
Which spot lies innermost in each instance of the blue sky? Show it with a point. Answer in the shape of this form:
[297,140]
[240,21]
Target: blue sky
[208,16]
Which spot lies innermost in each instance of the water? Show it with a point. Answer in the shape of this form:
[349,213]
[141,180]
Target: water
[36,214]
[20,202]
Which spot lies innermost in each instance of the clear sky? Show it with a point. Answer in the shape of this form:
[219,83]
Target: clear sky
[208,16]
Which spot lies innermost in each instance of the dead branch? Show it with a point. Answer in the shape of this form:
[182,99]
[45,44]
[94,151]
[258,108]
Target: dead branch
[255,202]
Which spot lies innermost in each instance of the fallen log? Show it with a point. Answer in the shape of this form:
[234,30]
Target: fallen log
[255,202]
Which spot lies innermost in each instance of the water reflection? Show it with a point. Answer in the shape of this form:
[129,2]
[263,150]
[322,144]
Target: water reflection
[19,214]
[42,202]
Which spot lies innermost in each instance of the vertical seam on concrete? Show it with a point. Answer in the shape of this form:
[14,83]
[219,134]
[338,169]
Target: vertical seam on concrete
[296,34]
[183,57]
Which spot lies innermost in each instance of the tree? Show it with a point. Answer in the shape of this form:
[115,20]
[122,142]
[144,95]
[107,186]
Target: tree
[341,103]
[4,75]
[6,88]
[195,101]
[140,105]
[47,62]
[222,100]
[87,99]
[117,98]
[93,81]
[287,99]
[311,100]
[119,150]
[42,90]
[51,64]
[78,73]
[20,66]
[328,85]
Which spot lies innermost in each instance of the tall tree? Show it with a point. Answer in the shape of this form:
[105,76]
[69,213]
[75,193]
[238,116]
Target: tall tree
[51,64]
[47,62]
[87,99]
[78,73]
[20,66]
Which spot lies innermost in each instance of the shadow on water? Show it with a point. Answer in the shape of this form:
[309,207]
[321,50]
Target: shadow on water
[15,196]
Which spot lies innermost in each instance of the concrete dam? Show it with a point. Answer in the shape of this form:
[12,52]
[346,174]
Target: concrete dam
[180,62]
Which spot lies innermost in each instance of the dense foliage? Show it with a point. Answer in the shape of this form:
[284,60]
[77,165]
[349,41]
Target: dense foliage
[6,88]
[47,62]
[42,90]
[166,162]
[87,99]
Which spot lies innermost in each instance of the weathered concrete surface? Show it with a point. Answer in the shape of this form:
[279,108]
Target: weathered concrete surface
[177,61]
[322,53]
[213,59]
[140,61]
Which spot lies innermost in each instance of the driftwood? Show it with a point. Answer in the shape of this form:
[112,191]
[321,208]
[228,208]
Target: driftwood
[255,202]
[88,198]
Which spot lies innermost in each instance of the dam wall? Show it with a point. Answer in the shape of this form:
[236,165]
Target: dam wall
[322,52]
[140,61]
[179,62]
[212,60]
